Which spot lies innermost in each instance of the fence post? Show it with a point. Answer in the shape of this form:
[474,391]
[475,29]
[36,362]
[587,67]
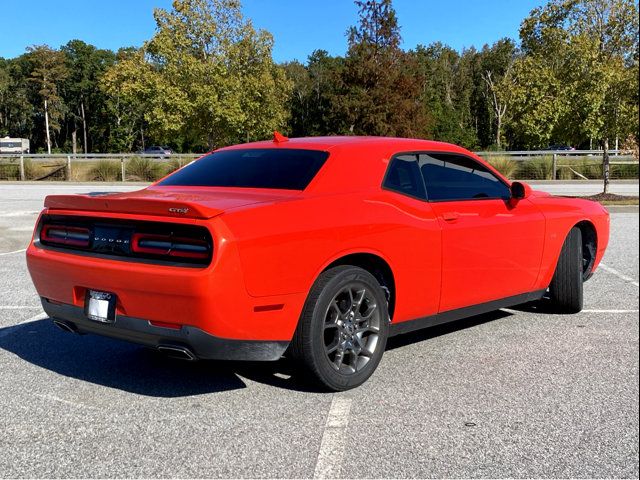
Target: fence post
[555,166]
[68,167]
[122,168]
[21,168]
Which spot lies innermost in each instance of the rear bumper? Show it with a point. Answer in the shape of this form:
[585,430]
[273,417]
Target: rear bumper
[202,344]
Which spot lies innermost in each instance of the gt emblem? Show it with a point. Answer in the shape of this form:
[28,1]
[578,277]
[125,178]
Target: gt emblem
[178,210]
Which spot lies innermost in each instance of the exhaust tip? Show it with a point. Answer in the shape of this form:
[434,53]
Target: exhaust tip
[66,326]
[176,351]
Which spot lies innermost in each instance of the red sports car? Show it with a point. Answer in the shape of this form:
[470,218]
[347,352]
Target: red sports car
[321,247]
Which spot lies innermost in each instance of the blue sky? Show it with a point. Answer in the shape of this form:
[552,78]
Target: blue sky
[299,27]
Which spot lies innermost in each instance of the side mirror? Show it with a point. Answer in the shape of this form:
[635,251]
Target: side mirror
[520,190]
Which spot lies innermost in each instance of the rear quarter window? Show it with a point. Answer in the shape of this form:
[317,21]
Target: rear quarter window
[287,169]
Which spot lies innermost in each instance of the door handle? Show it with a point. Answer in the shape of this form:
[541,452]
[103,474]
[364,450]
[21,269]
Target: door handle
[450,216]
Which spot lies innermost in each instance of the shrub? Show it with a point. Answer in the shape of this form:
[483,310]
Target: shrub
[538,169]
[592,169]
[143,169]
[105,171]
[565,173]
[9,171]
[626,171]
[33,171]
[504,165]
[173,165]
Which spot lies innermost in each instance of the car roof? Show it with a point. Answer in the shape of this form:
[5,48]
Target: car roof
[356,162]
[330,142]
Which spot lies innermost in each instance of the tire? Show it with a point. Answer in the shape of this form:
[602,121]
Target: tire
[343,328]
[567,283]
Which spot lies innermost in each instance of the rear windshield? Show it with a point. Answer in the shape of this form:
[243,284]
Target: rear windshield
[288,169]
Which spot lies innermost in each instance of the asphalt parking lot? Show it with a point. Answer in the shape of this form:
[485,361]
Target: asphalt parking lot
[515,393]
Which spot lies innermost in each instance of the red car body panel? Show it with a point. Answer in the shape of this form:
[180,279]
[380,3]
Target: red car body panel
[271,245]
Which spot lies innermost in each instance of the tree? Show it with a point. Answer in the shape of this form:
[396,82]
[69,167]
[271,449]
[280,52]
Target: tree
[48,72]
[86,64]
[207,76]
[381,83]
[128,92]
[317,92]
[497,74]
[446,93]
[584,55]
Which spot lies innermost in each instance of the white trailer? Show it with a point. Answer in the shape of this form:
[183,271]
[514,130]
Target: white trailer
[14,145]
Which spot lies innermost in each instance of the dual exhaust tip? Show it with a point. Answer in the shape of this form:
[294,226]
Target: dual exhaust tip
[177,351]
[65,326]
[173,351]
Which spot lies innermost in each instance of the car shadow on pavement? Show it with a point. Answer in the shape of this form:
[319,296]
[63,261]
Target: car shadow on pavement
[114,363]
[132,368]
[438,330]
[140,370]
[544,305]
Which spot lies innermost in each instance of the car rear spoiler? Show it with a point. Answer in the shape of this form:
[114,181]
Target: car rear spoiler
[126,203]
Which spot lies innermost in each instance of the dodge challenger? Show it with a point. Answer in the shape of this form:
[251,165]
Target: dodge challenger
[318,248]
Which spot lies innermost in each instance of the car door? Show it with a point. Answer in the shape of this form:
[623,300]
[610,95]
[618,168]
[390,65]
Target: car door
[491,247]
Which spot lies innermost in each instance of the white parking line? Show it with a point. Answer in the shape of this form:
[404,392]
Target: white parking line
[329,464]
[19,307]
[9,330]
[18,213]
[62,400]
[11,253]
[622,276]
[40,316]
[608,311]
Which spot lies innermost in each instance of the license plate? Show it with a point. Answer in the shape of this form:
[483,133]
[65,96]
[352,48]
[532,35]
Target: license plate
[100,306]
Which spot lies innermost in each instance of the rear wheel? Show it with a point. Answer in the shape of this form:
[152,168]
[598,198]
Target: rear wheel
[343,329]
[567,283]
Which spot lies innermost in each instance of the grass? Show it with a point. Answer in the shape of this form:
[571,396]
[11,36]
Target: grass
[105,171]
[568,168]
[505,165]
[143,169]
[539,169]
[33,171]
[9,171]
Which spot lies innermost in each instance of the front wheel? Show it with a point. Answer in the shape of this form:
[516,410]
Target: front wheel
[566,285]
[343,329]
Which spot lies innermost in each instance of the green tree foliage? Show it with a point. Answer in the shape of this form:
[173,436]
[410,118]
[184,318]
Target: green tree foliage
[85,101]
[16,108]
[446,94]
[128,93]
[317,87]
[578,77]
[206,77]
[47,74]
[380,82]
[496,70]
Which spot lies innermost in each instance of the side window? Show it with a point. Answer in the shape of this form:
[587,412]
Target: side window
[454,177]
[403,176]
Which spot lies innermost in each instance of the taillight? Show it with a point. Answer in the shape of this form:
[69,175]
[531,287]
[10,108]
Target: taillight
[154,242]
[168,245]
[65,235]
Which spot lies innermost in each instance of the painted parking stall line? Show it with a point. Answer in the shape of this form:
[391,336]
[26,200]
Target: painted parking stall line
[329,464]
[618,274]
[608,311]
[11,329]
[14,252]
[20,307]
